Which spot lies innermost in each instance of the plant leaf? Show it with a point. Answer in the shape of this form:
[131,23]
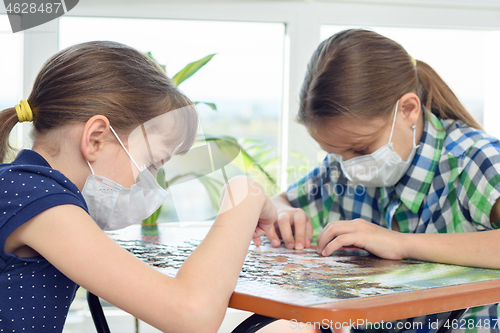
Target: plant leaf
[214,189]
[152,219]
[257,149]
[227,147]
[261,155]
[190,69]
[212,185]
[215,137]
[248,140]
[211,105]
[150,55]
[160,177]
[270,162]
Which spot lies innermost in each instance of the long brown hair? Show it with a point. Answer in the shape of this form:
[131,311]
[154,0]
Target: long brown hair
[101,78]
[360,74]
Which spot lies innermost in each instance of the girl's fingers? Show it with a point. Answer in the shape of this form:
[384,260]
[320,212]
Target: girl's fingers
[338,242]
[257,241]
[323,238]
[267,218]
[294,227]
[268,215]
[273,237]
[332,230]
[277,229]
[286,230]
[259,232]
[309,232]
[299,225]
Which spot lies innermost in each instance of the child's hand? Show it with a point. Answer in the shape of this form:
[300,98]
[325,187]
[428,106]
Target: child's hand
[268,216]
[250,198]
[292,222]
[382,242]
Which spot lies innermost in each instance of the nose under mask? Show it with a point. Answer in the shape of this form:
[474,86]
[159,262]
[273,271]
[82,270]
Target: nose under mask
[113,206]
[382,168]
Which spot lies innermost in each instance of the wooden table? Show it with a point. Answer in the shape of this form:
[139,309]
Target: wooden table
[350,287]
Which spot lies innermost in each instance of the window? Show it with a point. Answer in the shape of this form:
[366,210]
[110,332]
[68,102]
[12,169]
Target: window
[244,79]
[463,58]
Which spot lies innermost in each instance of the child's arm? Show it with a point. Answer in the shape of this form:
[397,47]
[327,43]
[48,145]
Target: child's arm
[477,249]
[195,300]
[292,222]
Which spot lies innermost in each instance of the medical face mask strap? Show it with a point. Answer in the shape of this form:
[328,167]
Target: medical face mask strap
[394,121]
[90,166]
[414,139]
[123,146]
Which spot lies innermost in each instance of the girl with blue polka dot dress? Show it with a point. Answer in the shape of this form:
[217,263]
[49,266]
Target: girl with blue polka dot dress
[87,172]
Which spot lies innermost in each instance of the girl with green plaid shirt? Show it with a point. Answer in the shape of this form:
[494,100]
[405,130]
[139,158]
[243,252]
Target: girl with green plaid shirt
[409,173]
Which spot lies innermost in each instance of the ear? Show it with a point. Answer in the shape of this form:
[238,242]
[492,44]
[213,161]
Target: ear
[410,108]
[95,132]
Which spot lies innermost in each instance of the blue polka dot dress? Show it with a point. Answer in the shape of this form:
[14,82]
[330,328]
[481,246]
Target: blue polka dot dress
[34,295]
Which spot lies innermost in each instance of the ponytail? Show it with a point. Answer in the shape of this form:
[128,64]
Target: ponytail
[439,98]
[8,119]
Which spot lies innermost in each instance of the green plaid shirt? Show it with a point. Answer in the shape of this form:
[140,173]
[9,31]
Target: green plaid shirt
[451,186]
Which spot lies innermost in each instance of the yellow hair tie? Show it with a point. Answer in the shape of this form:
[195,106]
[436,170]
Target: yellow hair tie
[413,61]
[24,112]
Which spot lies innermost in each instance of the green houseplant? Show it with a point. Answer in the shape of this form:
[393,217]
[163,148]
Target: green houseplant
[226,144]
[259,159]
[149,226]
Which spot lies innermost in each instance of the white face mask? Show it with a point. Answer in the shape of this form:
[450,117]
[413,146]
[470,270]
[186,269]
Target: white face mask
[114,207]
[382,168]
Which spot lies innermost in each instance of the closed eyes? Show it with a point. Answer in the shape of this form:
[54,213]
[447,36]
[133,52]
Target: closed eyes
[360,151]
